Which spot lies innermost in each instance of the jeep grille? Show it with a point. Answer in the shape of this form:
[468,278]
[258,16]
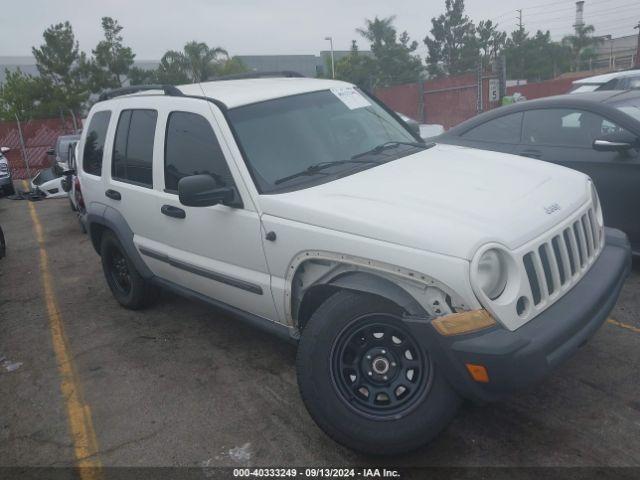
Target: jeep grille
[559,261]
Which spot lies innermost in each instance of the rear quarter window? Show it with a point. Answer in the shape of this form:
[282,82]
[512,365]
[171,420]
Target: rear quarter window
[94,143]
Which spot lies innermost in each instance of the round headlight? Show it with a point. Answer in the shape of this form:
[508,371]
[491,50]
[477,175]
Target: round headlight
[492,273]
[595,201]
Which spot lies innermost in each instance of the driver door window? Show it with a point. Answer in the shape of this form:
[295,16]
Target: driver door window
[191,148]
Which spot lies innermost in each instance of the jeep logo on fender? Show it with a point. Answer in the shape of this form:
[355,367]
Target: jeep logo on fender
[554,207]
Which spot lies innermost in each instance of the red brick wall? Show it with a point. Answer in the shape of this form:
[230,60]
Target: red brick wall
[451,100]
[402,98]
[557,86]
[39,135]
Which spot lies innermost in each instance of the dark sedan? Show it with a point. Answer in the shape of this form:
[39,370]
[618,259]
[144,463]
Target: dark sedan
[596,133]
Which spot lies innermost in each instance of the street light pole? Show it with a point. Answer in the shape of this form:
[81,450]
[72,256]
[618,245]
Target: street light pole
[333,65]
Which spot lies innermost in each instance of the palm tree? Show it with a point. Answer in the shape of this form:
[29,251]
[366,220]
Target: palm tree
[379,31]
[581,44]
[197,62]
[203,60]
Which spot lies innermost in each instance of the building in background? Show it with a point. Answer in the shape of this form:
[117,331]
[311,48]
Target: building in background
[616,53]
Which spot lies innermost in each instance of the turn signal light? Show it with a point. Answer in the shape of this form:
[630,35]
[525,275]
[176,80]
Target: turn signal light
[463,322]
[478,372]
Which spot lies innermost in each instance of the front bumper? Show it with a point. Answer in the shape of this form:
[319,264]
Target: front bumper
[4,181]
[516,359]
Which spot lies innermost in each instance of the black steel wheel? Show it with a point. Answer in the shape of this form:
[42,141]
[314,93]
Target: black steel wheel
[119,270]
[347,348]
[128,287]
[378,367]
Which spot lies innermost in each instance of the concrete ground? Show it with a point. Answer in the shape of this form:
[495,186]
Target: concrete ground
[182,385]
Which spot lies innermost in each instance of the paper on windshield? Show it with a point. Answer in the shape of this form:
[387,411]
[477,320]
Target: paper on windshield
[350,97]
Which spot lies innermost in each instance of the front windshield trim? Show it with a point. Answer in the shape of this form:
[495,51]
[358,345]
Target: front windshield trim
[310,181]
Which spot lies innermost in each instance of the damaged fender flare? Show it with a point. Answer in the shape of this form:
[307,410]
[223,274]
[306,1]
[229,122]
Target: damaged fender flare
[371,283]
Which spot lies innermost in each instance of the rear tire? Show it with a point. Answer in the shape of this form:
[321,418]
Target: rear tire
[128,287]
[340,356]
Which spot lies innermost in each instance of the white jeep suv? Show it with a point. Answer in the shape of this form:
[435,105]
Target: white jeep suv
[411,275]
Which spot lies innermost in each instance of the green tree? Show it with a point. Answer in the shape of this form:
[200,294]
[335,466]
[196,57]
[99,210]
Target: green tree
[453,46]
[197,62]
[27,97]
[173,69]
[356,68]
[582,45]
[231,66]
[535,58]
[203,60]
[63,66]
[142,76]
[111,59]
[393,56]
[490,41]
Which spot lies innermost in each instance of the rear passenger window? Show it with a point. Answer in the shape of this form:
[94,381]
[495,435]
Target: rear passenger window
[501,130]
[192,148]
[133,147]
[94,143]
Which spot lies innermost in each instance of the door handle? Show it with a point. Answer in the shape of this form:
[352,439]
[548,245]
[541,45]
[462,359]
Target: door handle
[171,211]
[531,153]
[113,195]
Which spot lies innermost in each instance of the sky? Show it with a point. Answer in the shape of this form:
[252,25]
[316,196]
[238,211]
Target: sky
[260,27]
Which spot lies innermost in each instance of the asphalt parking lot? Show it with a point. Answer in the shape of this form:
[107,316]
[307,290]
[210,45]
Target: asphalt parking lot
[182,385]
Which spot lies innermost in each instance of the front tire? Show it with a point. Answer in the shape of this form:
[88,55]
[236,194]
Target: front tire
[128,287]
[366,381]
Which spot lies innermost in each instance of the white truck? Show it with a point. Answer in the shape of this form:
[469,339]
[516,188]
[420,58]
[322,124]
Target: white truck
[411,275]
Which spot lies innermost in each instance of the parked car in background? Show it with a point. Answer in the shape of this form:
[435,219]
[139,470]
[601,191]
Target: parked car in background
[596,133]
[71,185]
[6,180]
[423,130]
[62,150]
[48,183]
[625,80]
[412,275]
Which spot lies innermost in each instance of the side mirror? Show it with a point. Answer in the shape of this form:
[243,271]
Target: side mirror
[4,149]
[69,172]
[616,142]
[203,191]
[51,152]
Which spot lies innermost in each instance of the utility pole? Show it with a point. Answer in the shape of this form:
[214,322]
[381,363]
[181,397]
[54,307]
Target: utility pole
[637,60]
[520,39]
[333,65]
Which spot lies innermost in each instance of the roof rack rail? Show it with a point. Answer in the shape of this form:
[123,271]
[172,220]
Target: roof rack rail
[167,89]
[240,76]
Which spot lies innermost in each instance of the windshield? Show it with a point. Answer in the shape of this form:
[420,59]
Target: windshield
[288,135]
[631,108]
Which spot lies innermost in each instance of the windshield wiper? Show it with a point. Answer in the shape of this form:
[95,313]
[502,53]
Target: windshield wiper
[383,146]
[318,167]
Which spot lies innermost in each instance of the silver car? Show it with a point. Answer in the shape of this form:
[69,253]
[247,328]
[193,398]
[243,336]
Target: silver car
[6,182]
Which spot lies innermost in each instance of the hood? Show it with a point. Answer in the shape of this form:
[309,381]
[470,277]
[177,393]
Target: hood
[447,199]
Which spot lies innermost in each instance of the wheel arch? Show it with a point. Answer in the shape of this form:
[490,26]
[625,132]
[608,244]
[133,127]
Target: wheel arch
[109,219]
[315,276]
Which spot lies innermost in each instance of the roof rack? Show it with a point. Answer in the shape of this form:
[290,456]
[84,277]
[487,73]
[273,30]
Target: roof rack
[240,76]
[167,89]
